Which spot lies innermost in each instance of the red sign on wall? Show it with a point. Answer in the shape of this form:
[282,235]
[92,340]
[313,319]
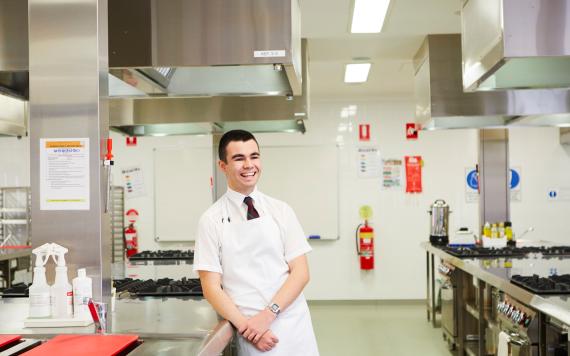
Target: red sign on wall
[411,131]
[413,174]
[131,141]
[364,132]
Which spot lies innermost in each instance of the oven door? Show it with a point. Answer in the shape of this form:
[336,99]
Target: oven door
[448,313]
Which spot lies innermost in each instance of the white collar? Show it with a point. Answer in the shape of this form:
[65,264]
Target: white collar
[238,197]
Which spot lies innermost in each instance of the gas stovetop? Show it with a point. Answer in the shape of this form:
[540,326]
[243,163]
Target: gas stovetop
[163,255]
[555,284]
[509,251]
[19,290]
[164,287]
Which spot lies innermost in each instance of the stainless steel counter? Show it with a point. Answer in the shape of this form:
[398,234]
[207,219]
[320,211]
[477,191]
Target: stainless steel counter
[168,326]
[498,271]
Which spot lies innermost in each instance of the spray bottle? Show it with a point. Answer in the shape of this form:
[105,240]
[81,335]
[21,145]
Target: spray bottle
[40,290]
[61,292]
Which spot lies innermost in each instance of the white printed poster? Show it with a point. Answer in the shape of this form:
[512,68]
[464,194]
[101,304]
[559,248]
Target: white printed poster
[133,182]
[64,174]
[392,173]
[369,162]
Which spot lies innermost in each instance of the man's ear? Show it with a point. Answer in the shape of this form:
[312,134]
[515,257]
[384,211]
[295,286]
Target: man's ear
[222,165]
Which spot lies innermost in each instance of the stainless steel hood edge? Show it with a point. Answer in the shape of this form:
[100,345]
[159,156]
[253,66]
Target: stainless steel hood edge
[162,116]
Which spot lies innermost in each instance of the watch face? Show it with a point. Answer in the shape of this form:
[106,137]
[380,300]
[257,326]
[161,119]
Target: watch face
[274,308]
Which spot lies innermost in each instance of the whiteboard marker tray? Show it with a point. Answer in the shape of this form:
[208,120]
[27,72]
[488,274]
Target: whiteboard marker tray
[55,323]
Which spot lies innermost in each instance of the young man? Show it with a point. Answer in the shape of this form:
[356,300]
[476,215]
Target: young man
[250,254]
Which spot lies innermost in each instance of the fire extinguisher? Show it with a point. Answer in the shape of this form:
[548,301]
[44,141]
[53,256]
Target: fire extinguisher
[131,238]
[365,240]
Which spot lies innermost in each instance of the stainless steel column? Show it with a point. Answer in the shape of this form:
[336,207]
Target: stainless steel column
[68,90]
[494,202]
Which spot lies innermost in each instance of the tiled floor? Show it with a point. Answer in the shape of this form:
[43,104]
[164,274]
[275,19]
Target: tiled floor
[375,329]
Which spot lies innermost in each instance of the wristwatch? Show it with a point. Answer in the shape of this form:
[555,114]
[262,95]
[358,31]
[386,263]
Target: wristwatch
[274,308]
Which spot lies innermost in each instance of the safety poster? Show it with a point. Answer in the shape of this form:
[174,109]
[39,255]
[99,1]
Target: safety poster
[64,174]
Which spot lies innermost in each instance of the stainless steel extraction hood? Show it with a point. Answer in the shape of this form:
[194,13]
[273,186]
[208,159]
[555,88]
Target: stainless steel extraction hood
[516,44]
[14,48]
[194,48]
[161,116]
[441,102]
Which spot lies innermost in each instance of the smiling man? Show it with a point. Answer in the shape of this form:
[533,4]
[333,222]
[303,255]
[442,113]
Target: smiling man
[250,254]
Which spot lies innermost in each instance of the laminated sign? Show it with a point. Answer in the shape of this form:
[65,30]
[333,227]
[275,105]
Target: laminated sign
[413,174]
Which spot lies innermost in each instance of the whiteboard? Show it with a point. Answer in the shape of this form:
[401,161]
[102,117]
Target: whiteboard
[182,191]
[306,178]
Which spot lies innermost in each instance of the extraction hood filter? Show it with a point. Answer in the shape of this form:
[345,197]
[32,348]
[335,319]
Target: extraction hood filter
[515,44]
[441,102]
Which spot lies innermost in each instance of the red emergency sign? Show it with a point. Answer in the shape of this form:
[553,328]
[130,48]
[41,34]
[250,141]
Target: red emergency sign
[364,132]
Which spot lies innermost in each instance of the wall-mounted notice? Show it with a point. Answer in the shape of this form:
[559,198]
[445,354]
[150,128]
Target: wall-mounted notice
[413,174]
[64,174]
[133,182]
[392,174]
[369,162]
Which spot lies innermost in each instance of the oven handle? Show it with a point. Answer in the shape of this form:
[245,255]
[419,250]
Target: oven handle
[516,339]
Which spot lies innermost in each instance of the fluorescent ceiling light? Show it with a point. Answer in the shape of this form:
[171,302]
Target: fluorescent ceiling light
[369,15]
[356,72]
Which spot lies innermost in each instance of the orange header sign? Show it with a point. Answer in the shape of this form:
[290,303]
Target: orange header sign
[64,144]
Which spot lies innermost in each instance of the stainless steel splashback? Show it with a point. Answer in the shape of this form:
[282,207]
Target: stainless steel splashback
[441,102]
[516,44]
[207,47]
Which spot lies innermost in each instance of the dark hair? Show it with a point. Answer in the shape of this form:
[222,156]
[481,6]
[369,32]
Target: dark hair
[233,135]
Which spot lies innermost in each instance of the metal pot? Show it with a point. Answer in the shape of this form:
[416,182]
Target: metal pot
[439,227]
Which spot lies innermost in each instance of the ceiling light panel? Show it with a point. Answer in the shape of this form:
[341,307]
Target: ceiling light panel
[369,15]
[356,72]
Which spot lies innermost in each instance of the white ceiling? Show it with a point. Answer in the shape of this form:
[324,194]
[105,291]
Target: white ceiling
[326,24]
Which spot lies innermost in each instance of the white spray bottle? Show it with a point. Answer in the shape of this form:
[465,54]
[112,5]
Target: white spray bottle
[61,292]
[39,290]
[82,293]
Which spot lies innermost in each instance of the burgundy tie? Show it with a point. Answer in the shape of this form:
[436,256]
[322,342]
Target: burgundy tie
[251,212]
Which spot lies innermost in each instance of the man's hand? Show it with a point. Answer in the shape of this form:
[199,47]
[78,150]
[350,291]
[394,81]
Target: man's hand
[258,325]
[267,341]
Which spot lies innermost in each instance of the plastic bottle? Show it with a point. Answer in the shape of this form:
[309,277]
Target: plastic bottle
[61,292]
[501,229]
[494,231]
[39,291]
[82,292]
[487,229]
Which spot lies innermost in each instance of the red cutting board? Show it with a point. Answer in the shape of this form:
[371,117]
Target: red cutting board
[84,345]
[8,339]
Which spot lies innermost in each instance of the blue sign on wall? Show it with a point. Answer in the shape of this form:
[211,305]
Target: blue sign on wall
[473,179]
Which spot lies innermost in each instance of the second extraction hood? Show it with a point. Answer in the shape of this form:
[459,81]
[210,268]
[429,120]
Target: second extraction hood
[188,48]
[516,44]
[441,102]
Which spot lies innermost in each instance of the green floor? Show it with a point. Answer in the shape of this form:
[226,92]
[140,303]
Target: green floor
[375,329]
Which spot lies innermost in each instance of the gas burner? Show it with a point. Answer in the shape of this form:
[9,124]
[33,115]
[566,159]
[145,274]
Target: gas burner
[509,251]
[164,287]
[19,290]
[480,252]
[163,255]
[555,284]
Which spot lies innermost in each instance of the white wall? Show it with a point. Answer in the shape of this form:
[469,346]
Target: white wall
[545,164]
[400,220]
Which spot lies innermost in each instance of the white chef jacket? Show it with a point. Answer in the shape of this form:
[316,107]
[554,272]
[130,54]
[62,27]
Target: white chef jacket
[207,249]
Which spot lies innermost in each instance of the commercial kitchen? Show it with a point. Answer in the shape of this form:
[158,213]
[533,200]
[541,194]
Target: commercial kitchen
[424,147]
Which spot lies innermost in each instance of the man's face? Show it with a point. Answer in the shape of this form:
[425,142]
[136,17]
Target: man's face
[243,165]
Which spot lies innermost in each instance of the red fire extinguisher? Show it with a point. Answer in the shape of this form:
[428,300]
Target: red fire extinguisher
[131,238]
[365,240]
